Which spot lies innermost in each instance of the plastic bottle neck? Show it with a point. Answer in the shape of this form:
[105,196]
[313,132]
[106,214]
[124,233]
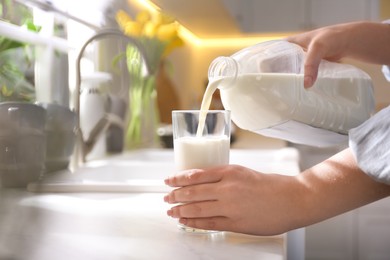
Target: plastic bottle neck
[223,67]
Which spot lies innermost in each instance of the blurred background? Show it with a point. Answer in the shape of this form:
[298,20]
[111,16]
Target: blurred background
[40,42]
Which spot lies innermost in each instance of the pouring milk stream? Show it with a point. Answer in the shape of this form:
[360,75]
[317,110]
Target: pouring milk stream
[206,101]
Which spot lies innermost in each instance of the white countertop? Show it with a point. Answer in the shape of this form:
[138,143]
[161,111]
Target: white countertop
[129,225]
[113,226]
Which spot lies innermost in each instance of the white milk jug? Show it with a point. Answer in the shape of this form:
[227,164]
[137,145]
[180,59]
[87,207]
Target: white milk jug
[262,85]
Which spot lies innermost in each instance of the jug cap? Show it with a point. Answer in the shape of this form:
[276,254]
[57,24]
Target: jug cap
[224,67]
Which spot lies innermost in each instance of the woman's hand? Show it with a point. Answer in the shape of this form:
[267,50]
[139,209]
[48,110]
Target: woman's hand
[234,198]
[325,43]
[364,41]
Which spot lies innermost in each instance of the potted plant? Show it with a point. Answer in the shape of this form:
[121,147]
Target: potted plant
[13,83]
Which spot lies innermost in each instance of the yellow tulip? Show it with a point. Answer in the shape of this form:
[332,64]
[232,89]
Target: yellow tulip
[159,32]
[122,19]
[133,29]
[149,29]
[162,18]
[167,32]
[175,43]
[143,17]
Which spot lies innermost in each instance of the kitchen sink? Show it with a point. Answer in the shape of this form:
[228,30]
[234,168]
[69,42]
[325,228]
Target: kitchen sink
[145,170]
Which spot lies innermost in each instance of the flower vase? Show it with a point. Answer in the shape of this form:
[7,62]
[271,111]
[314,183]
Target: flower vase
[143,118]
[153,36]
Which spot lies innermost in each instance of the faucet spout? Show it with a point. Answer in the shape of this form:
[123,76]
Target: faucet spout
[83,147]
[101,127]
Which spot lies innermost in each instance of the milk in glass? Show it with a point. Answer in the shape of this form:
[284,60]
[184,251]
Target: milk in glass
[201,152]
[204,149]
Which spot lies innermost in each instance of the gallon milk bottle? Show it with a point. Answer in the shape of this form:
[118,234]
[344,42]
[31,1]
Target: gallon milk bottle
[262,85]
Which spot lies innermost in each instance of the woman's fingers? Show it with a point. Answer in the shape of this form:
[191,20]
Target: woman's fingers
[199,192]
[192,177]
[314,52]
[202,209]
[214,223]
[312,63]
[310,74]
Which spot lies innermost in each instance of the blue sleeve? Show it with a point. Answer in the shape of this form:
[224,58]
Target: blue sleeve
[370,143]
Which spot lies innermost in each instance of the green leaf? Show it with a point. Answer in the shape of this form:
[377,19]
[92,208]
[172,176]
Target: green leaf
[5,91]
[31,26]
[7,44]
[115,61]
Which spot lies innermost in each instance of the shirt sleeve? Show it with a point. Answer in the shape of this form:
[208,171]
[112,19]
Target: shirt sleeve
[370,143]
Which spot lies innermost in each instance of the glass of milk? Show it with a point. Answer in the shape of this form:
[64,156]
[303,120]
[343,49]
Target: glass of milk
[201,140]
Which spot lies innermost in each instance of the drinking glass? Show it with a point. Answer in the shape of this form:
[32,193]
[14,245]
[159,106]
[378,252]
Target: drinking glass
[201,139]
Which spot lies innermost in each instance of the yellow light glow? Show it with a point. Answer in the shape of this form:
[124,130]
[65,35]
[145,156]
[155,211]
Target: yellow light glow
[190,37]
[148,5]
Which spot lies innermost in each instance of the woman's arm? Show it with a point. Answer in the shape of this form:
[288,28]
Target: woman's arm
[336,186]
[234,198]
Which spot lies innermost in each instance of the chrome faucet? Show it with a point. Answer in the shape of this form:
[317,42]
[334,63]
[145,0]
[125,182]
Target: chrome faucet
[83,147]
